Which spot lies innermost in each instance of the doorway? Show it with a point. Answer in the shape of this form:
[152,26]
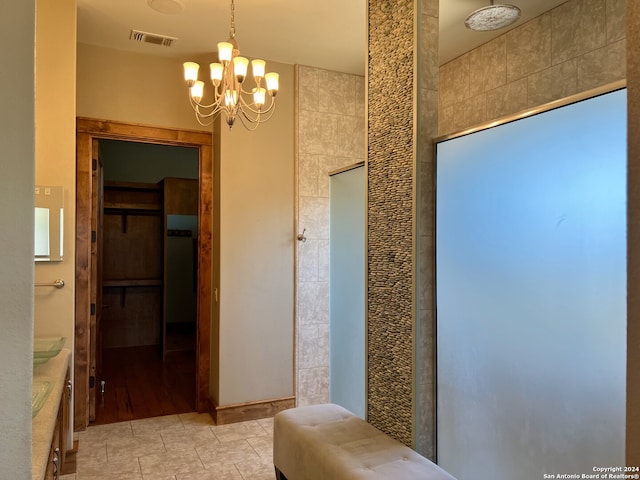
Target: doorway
[92,288]
[147,269]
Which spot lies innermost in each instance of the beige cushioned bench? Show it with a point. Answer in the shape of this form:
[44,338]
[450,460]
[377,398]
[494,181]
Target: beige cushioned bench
[327,442]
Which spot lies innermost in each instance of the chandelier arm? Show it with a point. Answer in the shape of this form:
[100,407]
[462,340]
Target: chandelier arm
[215,105]
[204,124]
[256,118]
[248,106]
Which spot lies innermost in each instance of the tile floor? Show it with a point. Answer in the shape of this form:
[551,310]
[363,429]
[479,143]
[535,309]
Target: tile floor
[176,447]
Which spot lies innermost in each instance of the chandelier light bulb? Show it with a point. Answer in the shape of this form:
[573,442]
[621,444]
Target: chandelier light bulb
[190,72]
[257,67]
[197,91]
[225,52]
[240,65]
[272,83]
[259,95]
[217,71]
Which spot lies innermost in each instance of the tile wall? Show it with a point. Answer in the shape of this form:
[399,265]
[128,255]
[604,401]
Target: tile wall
[329,135]
[577,46]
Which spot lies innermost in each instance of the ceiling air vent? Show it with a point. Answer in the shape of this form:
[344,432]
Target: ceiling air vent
[154,38]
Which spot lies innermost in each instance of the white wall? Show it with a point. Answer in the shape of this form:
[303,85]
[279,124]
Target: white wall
[16,242]
[256,255]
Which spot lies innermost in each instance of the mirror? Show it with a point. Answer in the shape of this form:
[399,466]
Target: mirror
[49,224]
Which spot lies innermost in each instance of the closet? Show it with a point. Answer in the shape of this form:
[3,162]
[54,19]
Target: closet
[149,264]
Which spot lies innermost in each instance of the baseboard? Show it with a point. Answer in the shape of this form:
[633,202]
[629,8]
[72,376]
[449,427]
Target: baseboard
[70,466]
[242,412]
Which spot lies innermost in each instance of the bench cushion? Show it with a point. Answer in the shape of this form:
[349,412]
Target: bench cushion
[329,442]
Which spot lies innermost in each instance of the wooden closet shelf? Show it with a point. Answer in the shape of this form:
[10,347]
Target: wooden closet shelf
[144,282]
[122,207]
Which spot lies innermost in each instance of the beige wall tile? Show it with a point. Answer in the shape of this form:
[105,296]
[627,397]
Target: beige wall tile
[308,93]
[323,260]
[578,26]
[331,135]
[488,66]
[463,115]
[602,66]
[308,175]
[454,82]
[308,260]
[505,100]
[350,137]
[429,64]
[313,214]
[361,98]
[313,303]
[314,385]
[555,82]
[308,347]
[428,113]
[616,20]
[317,133]
[529,48]
[426,266]
[337,93]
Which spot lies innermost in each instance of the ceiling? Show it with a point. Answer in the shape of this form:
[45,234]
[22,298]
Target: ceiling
[328,34]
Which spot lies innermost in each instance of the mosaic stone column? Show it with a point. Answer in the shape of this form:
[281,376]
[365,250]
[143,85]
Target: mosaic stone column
[402,119]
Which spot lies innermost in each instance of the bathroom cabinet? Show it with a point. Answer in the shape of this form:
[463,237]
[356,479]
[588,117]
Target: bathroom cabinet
[57,452]
[50,432]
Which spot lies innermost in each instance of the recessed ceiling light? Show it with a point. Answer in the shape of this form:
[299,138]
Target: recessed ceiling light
[492,17]
[170,7]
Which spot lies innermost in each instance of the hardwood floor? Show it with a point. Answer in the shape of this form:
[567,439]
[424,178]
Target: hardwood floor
[140,385]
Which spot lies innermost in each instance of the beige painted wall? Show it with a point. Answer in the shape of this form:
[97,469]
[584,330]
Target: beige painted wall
[256,255]
[16,242]
[134,88]
[55,148]
[256,199]
[56,155]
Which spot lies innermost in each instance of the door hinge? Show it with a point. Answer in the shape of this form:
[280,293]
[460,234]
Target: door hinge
[92,381]
[94,164]
[94,236]
[93,309]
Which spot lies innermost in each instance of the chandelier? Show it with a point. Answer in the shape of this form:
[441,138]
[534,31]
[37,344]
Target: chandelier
[251,105]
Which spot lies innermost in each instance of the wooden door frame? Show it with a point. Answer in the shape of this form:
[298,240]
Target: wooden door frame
[87,130]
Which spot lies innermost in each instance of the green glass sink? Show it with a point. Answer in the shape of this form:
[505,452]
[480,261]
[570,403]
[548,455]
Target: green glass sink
[45,348]
[39,392]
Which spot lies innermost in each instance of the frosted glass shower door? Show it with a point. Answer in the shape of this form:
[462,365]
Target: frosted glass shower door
[346,289]
[531,295]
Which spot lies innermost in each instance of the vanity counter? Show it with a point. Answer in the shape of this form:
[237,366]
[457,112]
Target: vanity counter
[43,425]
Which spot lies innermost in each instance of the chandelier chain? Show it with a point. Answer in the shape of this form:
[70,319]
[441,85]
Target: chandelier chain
[232,31]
